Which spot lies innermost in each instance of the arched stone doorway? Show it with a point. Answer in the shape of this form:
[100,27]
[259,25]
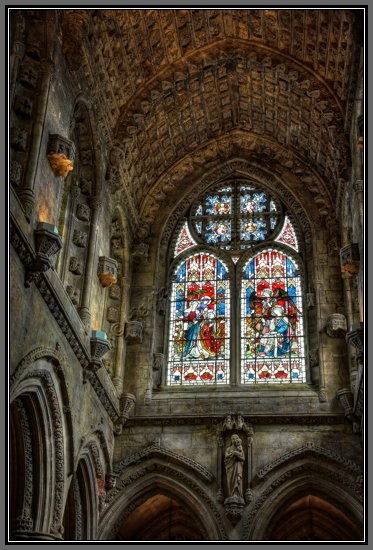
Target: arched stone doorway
[313,518]
[160,517]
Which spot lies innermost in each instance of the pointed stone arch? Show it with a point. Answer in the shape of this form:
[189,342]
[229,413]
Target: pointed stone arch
[309,470]
[160,471]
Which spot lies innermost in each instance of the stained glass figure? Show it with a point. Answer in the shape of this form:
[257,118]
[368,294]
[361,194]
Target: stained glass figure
[199,324]
[272,335]
[184,240]
[288,235]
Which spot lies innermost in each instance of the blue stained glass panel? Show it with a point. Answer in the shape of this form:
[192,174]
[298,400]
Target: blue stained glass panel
[251,230]
[218,231]
[219,205]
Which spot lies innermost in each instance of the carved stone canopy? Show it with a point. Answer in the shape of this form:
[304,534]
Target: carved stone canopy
[355,337]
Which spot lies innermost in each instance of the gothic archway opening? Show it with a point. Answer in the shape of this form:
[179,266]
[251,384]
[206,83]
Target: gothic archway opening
[313,518]
[160,517]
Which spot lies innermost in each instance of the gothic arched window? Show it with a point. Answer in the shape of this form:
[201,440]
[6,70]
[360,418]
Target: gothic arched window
[236,312]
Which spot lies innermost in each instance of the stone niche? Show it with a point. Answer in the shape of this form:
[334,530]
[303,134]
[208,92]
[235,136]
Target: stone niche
[350,259]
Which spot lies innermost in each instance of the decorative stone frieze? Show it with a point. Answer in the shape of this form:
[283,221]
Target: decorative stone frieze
[350,260]
[114,292]
[16,172]
[107,271]
[76,265]
[83,212]
[86,186]
[336,325]
[28,75]
[18,138]
[74,294]
[23,106]
[80,238]
[61,152]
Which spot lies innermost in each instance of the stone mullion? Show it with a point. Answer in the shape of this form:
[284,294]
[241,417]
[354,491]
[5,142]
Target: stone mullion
[26,192]
[84,310]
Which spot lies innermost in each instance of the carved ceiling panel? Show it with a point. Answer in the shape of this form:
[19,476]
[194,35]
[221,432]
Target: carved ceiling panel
[167,83]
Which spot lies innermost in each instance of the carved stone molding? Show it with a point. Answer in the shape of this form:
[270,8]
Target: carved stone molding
[309,449]
[24,522]
[156,451]
[59,453]
[346,401]
[173,474]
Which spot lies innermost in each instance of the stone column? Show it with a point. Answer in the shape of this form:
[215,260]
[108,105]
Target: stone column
[121,345]
[84,310]
[26,192]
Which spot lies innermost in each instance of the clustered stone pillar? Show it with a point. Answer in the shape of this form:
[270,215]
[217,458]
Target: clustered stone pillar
[26,192]
[84,310]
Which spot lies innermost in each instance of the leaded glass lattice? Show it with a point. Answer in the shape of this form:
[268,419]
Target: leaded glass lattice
[272,333]
[199,342]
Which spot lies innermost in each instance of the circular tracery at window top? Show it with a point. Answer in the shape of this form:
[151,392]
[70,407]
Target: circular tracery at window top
[236,215]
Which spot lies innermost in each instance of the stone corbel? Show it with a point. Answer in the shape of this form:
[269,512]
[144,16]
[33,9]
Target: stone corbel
[107,271]
[127,403]
[336,325]
[350,260]
[47,243]
[346,401]
[140,251]
[61,152]
[133,332]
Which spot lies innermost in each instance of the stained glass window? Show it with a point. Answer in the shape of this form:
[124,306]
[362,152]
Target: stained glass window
[235,216]
[199,342]
[242,228]
[287,235]
[184,240]
[272,343]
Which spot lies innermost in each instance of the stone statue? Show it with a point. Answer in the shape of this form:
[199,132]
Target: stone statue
[234,459]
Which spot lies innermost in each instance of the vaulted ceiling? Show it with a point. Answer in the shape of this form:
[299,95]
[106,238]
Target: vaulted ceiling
[179,91]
